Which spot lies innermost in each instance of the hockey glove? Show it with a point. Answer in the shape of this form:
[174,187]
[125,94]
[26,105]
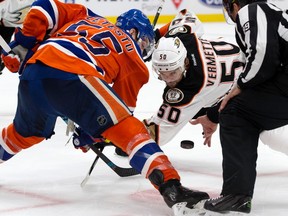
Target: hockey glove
[82,140]
[152,129]
[22,50]
[11,61]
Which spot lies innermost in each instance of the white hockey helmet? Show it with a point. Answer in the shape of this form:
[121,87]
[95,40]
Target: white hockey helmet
[169,55]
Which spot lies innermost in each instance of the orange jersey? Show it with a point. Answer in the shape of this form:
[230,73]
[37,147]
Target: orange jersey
[85,43]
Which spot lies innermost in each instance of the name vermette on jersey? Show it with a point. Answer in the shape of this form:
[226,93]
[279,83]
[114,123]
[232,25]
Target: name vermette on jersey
[210,62]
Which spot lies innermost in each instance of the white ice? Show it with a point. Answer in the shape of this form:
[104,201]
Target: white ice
[45,179]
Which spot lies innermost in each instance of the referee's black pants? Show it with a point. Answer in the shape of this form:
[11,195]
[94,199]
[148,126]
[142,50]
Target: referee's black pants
[241,122]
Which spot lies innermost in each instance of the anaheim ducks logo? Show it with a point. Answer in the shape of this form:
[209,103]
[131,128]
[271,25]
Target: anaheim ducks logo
[177,43]
[20,15]
[23,12]
[174,95]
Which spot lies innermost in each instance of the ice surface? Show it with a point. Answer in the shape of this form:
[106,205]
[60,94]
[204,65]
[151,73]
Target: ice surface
[45,179]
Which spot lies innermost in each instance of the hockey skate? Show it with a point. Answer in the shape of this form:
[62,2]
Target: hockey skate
[182,200]
[228,204]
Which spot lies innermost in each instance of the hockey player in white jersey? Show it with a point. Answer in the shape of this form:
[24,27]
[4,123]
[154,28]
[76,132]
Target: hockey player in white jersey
[12,14]
[163,129]
[197,73]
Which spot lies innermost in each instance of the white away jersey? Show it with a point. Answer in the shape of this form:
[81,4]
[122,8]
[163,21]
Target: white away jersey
[13,12]
[214,67]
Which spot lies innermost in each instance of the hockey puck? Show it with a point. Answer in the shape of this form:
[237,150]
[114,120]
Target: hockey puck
[187,144]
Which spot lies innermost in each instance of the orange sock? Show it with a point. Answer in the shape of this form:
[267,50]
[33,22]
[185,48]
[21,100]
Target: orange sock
[15,142]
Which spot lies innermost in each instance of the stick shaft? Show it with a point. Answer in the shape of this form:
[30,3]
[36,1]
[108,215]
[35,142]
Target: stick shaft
[83,183]
[4,45]
[158,13]
[122,172]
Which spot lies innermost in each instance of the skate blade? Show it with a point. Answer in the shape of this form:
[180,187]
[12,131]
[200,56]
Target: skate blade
[230,213]
[180,209]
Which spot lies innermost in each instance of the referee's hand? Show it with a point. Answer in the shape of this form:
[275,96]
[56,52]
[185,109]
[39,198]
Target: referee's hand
[234,91]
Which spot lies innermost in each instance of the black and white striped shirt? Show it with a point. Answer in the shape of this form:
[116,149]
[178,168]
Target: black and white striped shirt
[262,34]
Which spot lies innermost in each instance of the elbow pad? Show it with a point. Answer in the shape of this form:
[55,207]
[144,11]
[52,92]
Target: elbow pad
[26,41]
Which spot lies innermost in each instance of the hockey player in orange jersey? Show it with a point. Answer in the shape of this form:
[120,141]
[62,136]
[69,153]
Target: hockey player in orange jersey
[72,56]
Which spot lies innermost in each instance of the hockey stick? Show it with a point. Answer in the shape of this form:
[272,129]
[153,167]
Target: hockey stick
[158,13]
[4,45]
[147,53]
[83,183]
[122,172]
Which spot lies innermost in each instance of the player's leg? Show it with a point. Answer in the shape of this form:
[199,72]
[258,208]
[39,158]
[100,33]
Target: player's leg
[109,115]
[33,121]
[276,139]
[95,107]
[11,142]
[147,157]
[275,125]
[240,124]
